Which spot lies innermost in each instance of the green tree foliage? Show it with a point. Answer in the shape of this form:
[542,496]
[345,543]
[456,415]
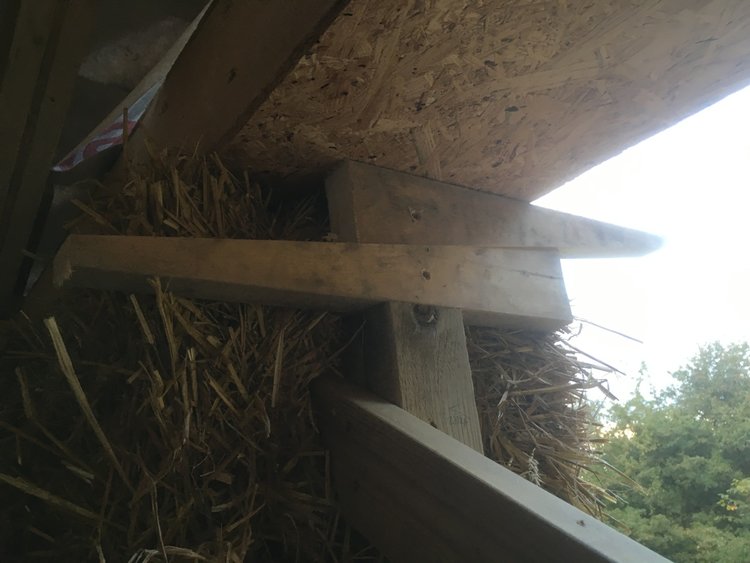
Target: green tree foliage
[687,451]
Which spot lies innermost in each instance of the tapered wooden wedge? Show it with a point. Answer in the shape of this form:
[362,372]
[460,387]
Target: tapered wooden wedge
[372,204]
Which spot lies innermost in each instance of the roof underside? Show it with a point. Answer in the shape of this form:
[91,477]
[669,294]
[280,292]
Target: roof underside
[509,97]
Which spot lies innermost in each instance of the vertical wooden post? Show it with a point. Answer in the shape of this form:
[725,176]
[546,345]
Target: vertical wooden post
[414,357]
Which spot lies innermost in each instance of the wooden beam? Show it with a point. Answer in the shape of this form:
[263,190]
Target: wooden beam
[235,58]
[494,287]
[395,207]
[415,357]
[421,495]
[45,53]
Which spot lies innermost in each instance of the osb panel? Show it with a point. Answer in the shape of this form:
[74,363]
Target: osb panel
[514,97]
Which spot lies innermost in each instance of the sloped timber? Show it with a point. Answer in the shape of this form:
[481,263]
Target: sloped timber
[237,54]
[421,495]
[493,286]
[39,71]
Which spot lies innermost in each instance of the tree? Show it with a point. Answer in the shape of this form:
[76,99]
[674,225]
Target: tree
[686,455]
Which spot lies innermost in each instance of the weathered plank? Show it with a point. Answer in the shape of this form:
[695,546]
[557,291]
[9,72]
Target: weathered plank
[42,90]
[494,287]
[236,56]
[395,207]
[421,495]
[415,357]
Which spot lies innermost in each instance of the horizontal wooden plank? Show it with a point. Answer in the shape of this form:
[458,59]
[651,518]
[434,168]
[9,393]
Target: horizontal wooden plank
[421,495]
[493,286]
[399,208]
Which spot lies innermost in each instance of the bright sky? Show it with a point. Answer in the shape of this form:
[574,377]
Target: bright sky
[691,185]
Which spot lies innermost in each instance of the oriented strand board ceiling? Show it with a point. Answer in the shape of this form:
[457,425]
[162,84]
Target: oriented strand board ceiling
[514,97]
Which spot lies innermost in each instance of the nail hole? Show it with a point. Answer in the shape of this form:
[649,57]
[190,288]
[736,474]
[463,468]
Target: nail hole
[426,275]
[416,215]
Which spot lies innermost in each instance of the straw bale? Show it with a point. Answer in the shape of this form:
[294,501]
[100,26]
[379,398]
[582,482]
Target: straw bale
[155,427]
[535,416]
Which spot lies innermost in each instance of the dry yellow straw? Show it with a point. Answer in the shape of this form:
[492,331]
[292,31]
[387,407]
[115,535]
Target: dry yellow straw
[33,490]
[142,320]
[277,368]
[66,365]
